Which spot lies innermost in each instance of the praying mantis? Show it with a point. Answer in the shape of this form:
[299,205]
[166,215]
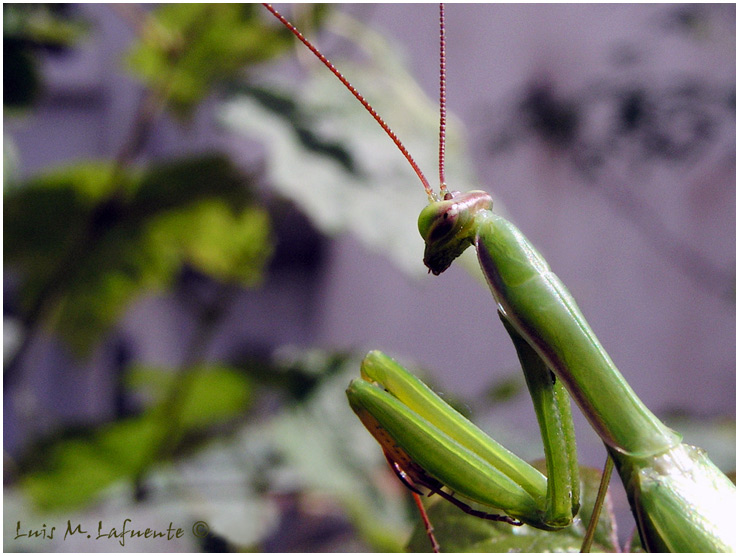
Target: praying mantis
[680,499]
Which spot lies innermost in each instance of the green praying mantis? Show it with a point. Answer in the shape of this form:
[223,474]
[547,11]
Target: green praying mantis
[681,501]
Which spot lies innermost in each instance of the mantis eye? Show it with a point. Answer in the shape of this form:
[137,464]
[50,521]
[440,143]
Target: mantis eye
[444,224]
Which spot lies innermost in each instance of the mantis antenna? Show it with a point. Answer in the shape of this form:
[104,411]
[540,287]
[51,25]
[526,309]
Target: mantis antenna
[442,100]
[358,96]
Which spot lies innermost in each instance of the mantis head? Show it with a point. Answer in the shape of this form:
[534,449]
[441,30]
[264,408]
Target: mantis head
[448,227]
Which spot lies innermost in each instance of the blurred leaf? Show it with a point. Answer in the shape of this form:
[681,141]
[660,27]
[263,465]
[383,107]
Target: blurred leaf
[187,49]
[76,469]
[28,28]
[457,531]
[329,156]
[21,80]
[217,393]
[94,240]
[41,25]
[188,180]
[46,217]
[73,470]
[210,237]
[505,389]
[295,371]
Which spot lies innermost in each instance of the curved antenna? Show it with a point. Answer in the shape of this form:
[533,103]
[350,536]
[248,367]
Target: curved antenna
[357,95]
[442,100]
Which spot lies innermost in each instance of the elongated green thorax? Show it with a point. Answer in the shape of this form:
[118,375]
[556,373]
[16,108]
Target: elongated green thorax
[539,307]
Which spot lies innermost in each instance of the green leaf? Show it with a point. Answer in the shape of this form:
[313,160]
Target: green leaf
[457,531]
[187,49]
[90,240]
[41,25]
[210,237]
[76,469]
[188,180]
[73,470]
[212,393]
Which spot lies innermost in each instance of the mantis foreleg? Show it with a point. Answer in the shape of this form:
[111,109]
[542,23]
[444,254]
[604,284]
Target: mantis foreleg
[434,446]
[552,406]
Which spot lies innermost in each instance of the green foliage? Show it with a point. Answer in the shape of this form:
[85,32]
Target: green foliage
[86,239]
[213,393]
[189,48]
[28,28]
[313,450]
[75,469]
[93,239]
[43,25]
[457,531]
[209,236]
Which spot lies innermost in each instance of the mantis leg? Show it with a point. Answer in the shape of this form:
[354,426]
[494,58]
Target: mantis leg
[426,523]
[552,406]
[435,446]
[435,487]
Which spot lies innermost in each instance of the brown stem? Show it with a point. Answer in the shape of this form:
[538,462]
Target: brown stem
[208,316]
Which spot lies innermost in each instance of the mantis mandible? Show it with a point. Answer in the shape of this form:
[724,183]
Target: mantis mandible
[680,499]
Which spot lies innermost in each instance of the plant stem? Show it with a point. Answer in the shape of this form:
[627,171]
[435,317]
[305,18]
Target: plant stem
[599,501]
